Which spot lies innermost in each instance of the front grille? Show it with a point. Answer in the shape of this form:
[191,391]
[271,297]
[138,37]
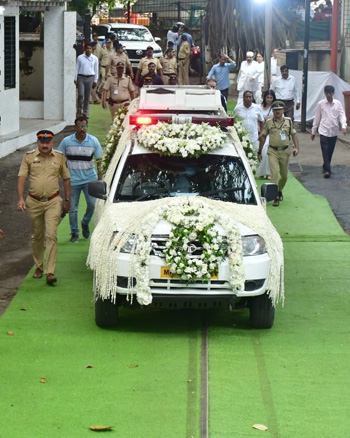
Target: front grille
[133,55]
[159,241]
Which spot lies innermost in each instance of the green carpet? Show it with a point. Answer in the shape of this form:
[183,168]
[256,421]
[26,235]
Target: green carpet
[145,375]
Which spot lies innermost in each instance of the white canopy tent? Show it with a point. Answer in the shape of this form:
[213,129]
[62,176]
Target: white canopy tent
[317,80]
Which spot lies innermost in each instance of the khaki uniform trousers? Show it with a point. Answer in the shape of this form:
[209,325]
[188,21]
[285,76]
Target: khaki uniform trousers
[44,218]
[279,161]
[184,73]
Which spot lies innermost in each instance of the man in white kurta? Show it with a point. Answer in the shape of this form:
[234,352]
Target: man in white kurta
[248,77]
[252,118]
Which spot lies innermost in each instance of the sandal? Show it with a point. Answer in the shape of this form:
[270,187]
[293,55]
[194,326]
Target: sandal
[276,202]
[280,196]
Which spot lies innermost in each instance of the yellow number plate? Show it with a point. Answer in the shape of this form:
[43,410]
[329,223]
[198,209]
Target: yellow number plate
[165,273]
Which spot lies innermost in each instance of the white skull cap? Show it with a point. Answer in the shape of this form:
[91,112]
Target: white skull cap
[250,53]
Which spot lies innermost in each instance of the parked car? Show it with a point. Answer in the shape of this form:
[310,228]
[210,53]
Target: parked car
[181,223]
[134,37]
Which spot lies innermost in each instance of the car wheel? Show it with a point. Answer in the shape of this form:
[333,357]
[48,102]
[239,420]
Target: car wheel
[262,312]
[106,313]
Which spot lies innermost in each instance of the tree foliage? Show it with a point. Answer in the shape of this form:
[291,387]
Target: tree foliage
[236,26]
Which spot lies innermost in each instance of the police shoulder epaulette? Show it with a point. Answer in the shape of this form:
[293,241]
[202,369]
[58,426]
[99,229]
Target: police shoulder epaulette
[30,152]
[59,152]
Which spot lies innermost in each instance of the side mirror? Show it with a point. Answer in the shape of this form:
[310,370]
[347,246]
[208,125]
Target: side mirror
[157,39]
[269,191]
[98,189]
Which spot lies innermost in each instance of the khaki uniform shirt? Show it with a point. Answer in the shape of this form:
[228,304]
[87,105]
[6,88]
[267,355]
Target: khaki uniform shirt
[118,57]
[169,65]
[104,56]
[44,172]
[119,88]
[143,64]
[184,50]
[280,132]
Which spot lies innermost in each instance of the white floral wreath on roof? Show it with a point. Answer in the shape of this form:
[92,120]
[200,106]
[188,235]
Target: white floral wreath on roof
[186,139]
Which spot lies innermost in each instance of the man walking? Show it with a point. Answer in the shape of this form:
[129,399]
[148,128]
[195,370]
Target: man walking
[221,71]
[44,166]
[183,58]
[80,149]
[119,88]
[252,118]
[329,113]
[248,76]
[286,91]
[86,77]
[169,65]
[281,130]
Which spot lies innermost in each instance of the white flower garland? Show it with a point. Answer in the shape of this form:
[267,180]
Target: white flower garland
[186,139]
[243,136]
[130,219]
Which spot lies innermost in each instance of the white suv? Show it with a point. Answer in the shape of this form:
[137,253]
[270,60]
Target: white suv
[134,37]
[181,223]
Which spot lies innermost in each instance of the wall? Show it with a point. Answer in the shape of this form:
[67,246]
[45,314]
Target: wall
[9,99]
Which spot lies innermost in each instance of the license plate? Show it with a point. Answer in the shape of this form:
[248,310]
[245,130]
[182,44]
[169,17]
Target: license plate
[165,273]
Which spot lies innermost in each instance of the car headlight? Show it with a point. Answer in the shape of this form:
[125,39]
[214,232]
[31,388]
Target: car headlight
[253,245]
[128,246]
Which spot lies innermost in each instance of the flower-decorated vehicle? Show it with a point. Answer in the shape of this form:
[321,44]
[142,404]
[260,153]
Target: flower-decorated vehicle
[180,223]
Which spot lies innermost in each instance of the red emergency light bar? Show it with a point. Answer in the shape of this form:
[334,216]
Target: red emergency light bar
[143,120]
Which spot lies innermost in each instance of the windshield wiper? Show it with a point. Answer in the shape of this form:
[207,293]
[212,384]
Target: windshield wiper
[229,189]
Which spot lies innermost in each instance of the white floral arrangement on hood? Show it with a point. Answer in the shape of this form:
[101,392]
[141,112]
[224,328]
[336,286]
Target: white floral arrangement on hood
[186,139]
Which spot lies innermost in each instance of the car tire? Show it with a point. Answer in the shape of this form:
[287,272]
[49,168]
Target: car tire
[262,312]
[106,313]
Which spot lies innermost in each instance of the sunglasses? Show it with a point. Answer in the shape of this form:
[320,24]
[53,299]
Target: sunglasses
[82,127]
[45,139]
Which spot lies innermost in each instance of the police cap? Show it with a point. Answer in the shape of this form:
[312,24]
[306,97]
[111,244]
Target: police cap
[277,105]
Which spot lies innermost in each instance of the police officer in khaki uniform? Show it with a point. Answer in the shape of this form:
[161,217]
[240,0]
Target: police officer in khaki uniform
[118,56]
[281,130]
[104,54]
[142,68]
[169,65]
[120,89]
[183,58]
[44,166]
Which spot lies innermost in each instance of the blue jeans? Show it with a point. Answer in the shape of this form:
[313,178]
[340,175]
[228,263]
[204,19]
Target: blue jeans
[74,205]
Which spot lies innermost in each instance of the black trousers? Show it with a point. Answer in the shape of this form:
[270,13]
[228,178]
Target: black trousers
[327,147]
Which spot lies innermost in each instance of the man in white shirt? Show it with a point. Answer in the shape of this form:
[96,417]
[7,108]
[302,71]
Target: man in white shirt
[248,77]
[274,66]
[86,77]
[252,118]
[329,113]
[287,91]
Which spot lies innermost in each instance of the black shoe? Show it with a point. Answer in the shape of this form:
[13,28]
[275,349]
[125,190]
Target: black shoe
[85,230]
[74,238]
[280,196]
[326,175]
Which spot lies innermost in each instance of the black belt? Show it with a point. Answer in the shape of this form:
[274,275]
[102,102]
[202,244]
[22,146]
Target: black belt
[279,148]
[104,66]
[180,59]
[286,100]
[44,198]
[86,76]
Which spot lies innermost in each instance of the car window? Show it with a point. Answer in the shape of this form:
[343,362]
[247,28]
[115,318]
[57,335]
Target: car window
[130,34]
[151,176]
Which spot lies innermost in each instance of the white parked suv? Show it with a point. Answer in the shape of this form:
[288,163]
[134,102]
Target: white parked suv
[134,37]
[180,223]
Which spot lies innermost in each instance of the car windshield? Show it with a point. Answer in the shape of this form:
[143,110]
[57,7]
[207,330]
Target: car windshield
[130,34]
[151,176]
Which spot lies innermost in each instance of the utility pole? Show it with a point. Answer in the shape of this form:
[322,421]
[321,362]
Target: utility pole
[305,65]
[268,43]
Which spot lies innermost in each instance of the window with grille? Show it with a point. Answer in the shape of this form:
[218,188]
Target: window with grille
[10,52]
